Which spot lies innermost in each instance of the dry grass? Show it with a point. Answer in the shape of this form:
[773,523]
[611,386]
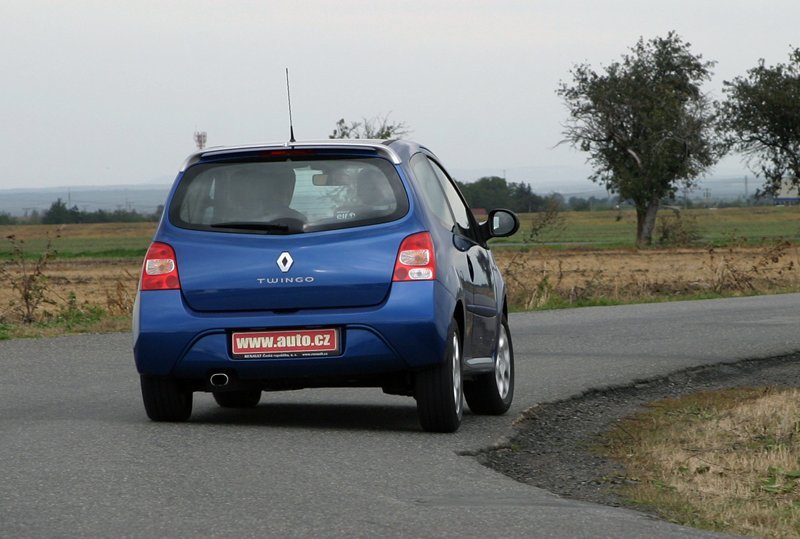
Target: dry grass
[92,280]
[725,460]
[536,279]
[546,278]
[76,291]
[90,231]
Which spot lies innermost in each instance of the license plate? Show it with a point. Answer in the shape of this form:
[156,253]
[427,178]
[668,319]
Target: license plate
[285,343]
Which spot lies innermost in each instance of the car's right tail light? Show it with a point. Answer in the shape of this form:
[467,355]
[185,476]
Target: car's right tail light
[415,259]
[160,269]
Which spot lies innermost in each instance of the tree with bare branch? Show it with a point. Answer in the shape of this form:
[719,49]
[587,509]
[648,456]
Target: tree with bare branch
[379,127]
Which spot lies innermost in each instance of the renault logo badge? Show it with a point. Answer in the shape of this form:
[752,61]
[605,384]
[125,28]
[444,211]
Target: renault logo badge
[285,261]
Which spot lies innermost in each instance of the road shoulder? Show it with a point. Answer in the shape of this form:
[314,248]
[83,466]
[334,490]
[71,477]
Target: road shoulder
[552,444]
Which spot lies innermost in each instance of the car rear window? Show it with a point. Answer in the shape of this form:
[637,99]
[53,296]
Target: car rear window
[288,197]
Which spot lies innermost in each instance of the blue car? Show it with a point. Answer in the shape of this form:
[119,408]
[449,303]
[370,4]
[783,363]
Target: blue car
[323,264]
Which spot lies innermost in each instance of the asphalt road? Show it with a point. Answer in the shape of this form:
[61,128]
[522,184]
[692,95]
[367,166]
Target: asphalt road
[78,457]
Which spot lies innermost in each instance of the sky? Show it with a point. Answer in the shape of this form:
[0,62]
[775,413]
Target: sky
[110,93]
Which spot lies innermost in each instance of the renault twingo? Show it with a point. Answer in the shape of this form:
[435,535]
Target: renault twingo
[323,264]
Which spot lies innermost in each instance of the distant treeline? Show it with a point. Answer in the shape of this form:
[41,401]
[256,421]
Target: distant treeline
[495,192]
[60,214]
[487,193]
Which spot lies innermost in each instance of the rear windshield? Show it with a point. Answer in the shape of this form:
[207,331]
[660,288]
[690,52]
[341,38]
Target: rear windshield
[288,197]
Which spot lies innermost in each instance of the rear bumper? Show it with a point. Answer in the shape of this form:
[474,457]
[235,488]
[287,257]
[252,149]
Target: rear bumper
[406,332]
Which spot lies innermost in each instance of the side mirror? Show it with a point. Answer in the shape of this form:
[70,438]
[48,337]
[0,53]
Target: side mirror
[501,224]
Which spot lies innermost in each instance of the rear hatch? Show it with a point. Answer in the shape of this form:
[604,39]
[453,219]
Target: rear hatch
[225,272]
[263,232]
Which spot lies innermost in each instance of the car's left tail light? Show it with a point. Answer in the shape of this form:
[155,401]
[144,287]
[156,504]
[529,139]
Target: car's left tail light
[160,269]
[415,259]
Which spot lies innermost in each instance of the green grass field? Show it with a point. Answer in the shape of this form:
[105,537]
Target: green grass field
[600,229]
[107,240]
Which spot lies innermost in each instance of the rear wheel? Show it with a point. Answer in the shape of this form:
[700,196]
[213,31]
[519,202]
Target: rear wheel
[492,393]
[247,398]
[439,391]
[165,399]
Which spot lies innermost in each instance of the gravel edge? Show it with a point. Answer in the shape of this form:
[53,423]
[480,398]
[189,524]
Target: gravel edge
[550,448]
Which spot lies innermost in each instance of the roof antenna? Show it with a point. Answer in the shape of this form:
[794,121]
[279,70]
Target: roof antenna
[289,97]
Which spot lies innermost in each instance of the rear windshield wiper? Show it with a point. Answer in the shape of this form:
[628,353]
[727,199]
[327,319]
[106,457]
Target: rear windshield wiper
[246,225]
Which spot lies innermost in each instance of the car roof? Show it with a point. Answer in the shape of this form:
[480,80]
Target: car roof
[397,151]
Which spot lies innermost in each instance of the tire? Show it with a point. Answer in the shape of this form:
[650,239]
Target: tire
[439,391]
[165,399]
[492,393]
[247,398]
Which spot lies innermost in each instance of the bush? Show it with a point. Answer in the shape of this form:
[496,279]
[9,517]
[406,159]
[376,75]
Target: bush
[27,279]
[677,230]
[70,314]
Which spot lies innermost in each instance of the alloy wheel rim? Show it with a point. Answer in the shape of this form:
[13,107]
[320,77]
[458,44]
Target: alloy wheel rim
[502,367]
[457,390]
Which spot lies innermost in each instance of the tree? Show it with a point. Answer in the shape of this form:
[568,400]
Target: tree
[579,204]
[7,219]
[645,123]
[378,127]
[492,192]
[761,119]
[522,199]
[488,192]
[59,214]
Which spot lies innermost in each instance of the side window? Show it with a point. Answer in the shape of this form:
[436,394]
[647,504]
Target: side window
[460,210]
[432,190]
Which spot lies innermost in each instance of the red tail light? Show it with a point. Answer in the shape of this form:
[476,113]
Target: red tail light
[160,269]
[415,259]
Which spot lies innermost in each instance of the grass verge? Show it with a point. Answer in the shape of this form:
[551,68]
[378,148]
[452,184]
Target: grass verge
[105,324]
[70,317]
[726,460]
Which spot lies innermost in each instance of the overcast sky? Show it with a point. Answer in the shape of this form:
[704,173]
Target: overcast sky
[109,92]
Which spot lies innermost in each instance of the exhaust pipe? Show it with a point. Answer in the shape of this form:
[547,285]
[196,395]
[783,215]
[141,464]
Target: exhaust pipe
[219,379]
